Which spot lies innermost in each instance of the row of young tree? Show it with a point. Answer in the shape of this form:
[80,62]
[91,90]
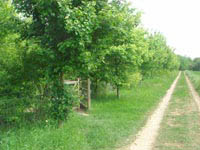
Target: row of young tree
[187,63]
[45,42]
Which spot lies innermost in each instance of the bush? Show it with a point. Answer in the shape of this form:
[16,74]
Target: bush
[62,101]
[133,80]
[13,109]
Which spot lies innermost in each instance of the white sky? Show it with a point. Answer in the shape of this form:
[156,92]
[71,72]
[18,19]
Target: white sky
[178,20]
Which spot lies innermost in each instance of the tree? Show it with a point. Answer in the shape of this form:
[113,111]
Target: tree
[185,63]
[161,56]
[97,39]
[8,19]
[196,64]
[114,44]
[62,29]
[10,62]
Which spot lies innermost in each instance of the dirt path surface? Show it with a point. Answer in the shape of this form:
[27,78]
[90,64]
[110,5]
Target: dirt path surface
[148,134]
[180,127]
[195,95]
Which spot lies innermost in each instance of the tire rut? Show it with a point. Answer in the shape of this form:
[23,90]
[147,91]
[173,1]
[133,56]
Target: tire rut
[146,137]
[195,95]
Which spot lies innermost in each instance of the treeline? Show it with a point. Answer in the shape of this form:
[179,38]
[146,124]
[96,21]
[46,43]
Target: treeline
[187,63]
[45,42]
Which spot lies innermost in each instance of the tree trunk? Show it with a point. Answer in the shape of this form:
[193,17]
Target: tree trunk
[96,88]
[62,78]
[118,94]
[89,94]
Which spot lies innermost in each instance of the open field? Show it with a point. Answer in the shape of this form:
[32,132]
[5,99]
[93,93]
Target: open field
[107,127]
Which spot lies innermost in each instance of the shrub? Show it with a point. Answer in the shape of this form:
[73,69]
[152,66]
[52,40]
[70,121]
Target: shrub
[133,79]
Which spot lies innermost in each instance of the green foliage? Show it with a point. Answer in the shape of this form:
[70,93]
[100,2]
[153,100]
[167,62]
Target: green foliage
[161,56]
[61,42]
[186,63]
[108,125]
[196,64]
[8,20]
[45,42]
[62,101]
[114,57]
[133,80]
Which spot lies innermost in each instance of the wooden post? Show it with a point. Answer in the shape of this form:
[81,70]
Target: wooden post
[89,94]
[78,87]
[118,92]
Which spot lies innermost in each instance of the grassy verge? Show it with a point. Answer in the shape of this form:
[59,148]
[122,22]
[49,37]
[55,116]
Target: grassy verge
[195,79]
[180,129]
[110,123]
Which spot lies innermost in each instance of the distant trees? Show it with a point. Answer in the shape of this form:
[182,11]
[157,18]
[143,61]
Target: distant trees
[185,63]
[160,55]
[10,59]
[45,41]
[196,64]
[115,44]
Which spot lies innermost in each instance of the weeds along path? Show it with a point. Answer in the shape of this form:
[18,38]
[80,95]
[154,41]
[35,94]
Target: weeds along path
[195,95]
[148,134]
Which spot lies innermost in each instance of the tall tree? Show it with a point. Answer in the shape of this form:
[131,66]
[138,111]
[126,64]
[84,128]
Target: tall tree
[115,44]
[160,55]
[63,30]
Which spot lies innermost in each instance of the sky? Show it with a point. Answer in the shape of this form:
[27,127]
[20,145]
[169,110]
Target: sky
[177,20]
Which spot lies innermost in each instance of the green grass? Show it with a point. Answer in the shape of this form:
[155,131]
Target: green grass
[195,79]
[110,123]
[180,129]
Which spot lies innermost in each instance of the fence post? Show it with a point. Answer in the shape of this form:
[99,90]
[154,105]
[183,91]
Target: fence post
[78,87]
[89,94]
